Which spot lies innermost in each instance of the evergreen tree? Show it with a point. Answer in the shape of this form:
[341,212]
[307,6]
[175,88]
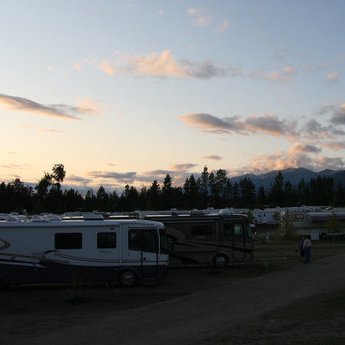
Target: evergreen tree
[204,186]
[276,196]
[167,193]
[191,190]
[247,192]
[261,197]
[102,199]
[290,198]
[236,195]
[153,195]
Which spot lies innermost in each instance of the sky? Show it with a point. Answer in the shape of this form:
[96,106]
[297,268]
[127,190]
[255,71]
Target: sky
[127,91]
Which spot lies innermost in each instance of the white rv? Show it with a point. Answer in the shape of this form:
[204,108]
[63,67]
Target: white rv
[128,251]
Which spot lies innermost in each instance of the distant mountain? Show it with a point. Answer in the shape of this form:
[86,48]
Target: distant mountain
[293,175]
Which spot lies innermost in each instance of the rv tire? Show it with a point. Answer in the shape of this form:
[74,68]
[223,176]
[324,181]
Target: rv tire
[127,278]
[220,260]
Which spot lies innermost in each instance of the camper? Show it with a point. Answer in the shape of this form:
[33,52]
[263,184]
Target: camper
[42,251]
[204,238]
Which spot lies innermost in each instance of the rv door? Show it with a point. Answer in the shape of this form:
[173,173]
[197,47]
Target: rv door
[142,248]
[108,244]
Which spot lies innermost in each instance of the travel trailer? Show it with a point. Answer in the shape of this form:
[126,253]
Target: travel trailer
[199,237]
[316,224]
[42,251]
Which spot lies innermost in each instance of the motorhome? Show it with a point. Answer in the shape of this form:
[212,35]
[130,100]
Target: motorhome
[217,238]
[43,251]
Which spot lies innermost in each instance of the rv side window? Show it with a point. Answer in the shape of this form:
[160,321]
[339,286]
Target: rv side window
[106,240]
[134,240]
[228,232]
[239,235]
[143,240]
[202,232]
[150,241]
[68,241]
[163,241]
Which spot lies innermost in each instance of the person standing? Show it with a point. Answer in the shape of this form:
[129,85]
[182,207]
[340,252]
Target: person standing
[307,250]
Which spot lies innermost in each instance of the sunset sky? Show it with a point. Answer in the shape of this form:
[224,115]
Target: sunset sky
[126,91]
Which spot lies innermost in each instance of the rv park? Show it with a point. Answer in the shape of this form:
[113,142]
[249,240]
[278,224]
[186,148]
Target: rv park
[273,299]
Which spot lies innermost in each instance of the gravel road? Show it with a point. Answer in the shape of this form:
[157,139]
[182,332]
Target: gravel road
[203,317]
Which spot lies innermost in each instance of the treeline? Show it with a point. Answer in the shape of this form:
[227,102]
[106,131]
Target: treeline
[208,190]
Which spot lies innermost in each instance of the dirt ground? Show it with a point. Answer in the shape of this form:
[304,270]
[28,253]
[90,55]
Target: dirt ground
[33,312]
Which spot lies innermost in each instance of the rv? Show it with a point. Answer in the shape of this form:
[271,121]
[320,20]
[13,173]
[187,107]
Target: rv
[124,251]
[316,224]
[201,238]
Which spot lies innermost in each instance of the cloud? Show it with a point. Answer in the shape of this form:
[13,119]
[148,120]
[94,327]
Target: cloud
[282,54]
[304,148]
[62,111]
[312,67]
[338,117]
[327,108]
[286,74]
[11,166]
[89,106]
[222,26]
[185,166]
[201,16]
[78,180]
[334,145]
[266,124]
[158,172]
[42,129]
[333,77]
[128,177]
[298,155]
[213,157]
[315,130]
[165,65]
[106,67]
[77,66]
[178,173]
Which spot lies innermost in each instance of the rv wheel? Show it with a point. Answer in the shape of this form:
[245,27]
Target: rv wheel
[128,278]
[220,261]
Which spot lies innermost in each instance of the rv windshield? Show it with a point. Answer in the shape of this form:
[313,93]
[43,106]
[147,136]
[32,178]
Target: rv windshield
[163,241]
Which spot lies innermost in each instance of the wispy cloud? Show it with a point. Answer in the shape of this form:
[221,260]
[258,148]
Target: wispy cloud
[165,65]
[285,74]
[282,54]
[128,177]
[78,180]
[213,157]
[313,67]
[184,166]
[178,173]
[222,26]
[333,77]
[62,111]
[12,166]
[264,124]
[106,67]
[201,16]
[42,129]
